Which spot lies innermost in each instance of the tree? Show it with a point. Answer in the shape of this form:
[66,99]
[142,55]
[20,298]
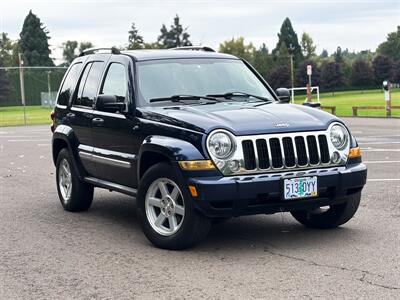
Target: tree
[262,60]
[69,51]
[307,45]
[396,72]
[362,74]
[338,55]
[5,86]
[176,36]
[382,66]
[289,37]
[324,53]
[238,48]
[302,77]
[331,75]
[391,47]
[7,48]
[135,39]
[34,43]
[85,45]
[279,77]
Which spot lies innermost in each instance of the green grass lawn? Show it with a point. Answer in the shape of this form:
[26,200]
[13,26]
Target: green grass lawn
[344,101]
[14,115]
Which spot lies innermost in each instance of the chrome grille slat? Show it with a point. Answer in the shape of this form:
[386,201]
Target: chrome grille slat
[288,151]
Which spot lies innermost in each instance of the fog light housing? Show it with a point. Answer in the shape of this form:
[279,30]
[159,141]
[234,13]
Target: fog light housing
[234,165]
[335,158]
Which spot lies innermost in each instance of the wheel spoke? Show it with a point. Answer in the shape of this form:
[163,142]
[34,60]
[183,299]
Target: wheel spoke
[65,169]
[160,219]
[154,201]
[175,194]
[179,209]
[172,223]
[163,189]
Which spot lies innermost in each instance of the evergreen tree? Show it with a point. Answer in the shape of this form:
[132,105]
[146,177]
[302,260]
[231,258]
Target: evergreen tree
[176,36]
[289,37]
[34,43]
[262,60]
[338,55]
[391,47]
[362,74]
[382,66]
[324,53]
[307,45]
[7,48]
[5,86]
[135,39]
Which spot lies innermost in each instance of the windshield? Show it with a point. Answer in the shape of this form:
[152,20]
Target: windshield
[165,78]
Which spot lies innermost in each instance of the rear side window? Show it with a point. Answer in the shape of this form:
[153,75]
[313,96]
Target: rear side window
[115,82]
[89,84]
[69,84]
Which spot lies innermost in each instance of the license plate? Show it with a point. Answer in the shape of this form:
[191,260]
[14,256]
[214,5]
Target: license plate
[303,187]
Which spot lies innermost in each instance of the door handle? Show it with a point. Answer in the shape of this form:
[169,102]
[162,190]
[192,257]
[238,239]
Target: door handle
[97,121]
[70,115]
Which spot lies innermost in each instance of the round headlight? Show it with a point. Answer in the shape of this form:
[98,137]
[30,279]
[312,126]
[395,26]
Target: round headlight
[220,145]
[339,136]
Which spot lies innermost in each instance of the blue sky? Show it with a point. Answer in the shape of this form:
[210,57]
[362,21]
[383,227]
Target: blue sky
[352,24]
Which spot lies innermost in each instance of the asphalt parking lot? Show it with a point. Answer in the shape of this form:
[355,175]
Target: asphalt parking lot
[47,253]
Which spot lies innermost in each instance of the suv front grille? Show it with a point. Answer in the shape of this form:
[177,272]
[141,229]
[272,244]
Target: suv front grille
[285,151]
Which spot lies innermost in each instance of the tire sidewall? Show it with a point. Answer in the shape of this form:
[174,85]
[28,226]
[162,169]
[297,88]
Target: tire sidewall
[178,239]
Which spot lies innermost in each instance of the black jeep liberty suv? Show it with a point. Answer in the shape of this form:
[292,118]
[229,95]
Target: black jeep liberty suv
[198,136]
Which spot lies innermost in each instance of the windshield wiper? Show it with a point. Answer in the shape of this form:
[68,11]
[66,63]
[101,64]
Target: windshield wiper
[229,95]
[178,98]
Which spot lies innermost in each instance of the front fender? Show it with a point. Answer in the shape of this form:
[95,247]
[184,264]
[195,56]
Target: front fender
[173,148]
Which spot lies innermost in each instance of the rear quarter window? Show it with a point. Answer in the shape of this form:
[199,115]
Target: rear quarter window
[68,85]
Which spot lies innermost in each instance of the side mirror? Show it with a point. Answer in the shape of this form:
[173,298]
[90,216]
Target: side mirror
[283,95]
[109,103]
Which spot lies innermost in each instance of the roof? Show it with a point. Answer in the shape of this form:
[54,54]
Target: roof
[150,54]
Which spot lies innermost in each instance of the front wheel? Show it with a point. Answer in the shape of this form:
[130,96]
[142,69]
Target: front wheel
[331,217]
[166,213]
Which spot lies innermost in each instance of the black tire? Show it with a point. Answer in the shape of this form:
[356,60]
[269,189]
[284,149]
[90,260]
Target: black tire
[194,226]
[81,194]
[335,216]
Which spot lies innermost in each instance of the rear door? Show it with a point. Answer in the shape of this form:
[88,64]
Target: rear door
[81,113]
[113,132]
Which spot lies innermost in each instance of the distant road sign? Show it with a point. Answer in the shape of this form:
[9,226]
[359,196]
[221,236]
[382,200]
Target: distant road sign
[309,70]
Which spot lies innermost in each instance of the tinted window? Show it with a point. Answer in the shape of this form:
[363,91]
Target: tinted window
[69,84]
[115,82]
[89,84]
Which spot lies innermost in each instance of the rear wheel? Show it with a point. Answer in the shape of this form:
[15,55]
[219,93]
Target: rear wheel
[331,216]
[75,195]
[166,213]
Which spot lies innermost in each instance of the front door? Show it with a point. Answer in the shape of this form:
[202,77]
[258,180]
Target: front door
[113,131]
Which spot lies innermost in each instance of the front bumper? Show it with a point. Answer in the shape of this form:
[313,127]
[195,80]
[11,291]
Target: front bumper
[261,194]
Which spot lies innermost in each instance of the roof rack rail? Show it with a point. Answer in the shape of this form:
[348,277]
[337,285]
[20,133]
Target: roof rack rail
[195,48]
[113,50]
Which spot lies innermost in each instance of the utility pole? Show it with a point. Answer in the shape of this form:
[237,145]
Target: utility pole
[22,84]
[291,48]
[49,88]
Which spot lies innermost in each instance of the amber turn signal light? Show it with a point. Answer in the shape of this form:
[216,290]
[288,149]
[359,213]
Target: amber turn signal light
[192,165]
[354,152]
[193,191]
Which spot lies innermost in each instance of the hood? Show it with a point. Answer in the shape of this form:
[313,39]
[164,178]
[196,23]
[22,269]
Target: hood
[241,118]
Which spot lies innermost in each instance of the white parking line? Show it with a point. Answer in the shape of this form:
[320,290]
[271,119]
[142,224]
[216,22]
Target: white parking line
[40,140]
[380,150]
[381,161]
[384,179]
[377,143]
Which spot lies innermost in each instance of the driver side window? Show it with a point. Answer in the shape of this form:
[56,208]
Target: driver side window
[115,82]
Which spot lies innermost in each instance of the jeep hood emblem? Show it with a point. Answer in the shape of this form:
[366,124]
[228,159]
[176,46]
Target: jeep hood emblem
[281,125]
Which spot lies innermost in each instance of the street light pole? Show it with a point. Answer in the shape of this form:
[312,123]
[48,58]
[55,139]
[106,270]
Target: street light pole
[22,84]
